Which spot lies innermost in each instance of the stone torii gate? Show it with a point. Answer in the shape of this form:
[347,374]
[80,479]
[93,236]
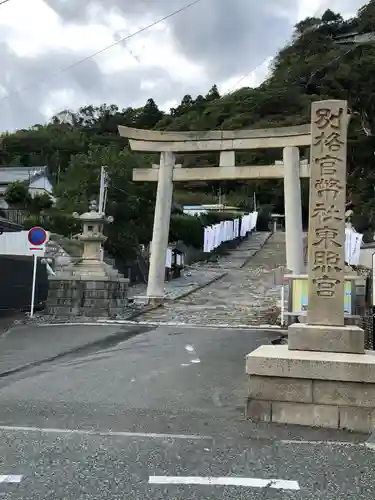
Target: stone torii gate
[227,142]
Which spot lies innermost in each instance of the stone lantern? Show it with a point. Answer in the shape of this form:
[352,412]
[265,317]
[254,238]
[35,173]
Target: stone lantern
[90,287]
[92,238]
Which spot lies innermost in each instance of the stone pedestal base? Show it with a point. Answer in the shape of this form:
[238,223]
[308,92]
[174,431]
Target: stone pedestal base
[156,301]
[87,296]
[322,389]
[304,337]
[145,300]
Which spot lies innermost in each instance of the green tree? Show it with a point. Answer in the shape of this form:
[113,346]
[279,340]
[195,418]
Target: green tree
[76,143]
[17,195]
[131,205]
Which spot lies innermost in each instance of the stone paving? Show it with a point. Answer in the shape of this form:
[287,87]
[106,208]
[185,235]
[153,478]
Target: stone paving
[188,282]
[248,294]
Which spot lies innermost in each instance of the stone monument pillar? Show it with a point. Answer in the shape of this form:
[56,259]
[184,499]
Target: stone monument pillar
[325,330]
[90,287]
[323,377]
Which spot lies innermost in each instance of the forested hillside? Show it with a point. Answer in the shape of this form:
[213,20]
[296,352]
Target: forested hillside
[75,144]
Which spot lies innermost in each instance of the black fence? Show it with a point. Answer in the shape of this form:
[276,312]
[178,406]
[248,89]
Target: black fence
[16,274]
[135,270]
[14,215]
[367,313]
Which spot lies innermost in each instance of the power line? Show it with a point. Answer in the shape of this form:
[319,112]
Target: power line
[4,1]
[87,58]
[248,74]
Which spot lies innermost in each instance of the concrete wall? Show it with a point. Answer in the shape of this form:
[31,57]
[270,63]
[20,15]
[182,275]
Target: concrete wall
[15,243]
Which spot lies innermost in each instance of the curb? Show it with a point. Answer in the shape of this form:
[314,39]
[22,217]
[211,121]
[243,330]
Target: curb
[104,322]
[198,287]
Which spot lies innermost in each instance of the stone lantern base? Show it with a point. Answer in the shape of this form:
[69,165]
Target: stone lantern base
[78,293]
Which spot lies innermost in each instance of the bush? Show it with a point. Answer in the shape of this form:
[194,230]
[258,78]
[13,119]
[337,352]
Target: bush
[40,202]
[34,220]
[264,218]
[188,229]
[58,222]
[215,217]
[16,194]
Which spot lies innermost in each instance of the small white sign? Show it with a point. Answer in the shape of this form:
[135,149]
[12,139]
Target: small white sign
[37,238]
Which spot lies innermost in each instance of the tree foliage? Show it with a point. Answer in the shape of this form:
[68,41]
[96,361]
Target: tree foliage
[311,67]
[17,195]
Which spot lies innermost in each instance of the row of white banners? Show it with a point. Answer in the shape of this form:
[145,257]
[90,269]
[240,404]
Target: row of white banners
[228,230]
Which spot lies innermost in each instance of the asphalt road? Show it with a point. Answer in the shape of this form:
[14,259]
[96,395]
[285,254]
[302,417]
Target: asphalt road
[127,419]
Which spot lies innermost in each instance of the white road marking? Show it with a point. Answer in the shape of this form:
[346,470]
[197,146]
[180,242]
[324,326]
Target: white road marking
[10,478]
[83,432]
[195,361]
[190,348]
[248,482]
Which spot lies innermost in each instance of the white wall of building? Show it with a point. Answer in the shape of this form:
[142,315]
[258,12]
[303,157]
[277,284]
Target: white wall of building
[16,243]
[40,186]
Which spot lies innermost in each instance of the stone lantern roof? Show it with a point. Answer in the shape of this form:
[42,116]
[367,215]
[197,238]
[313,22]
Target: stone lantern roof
[93,215]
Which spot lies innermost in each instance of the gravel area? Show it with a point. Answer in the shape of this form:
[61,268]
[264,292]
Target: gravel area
[248,294]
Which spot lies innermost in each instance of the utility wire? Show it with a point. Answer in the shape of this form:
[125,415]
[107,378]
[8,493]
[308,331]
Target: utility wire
[87,58]
[4,1]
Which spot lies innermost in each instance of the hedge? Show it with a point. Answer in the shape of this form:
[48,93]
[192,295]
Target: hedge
[187,228]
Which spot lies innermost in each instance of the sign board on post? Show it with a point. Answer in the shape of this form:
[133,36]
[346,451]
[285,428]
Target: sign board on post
[37,238]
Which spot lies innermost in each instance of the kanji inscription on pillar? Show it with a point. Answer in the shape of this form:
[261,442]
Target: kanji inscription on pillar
[329,123]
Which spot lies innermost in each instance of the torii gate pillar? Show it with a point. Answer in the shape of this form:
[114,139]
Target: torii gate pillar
[293,210]
[159,244]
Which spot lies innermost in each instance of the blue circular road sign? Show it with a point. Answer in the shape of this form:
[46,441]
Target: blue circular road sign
[37,236]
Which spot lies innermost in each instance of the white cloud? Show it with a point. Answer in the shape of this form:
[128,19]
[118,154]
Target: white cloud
[209,43]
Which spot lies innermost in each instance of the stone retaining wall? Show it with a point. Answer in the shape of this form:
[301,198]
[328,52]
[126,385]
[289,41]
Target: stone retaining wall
[84,297]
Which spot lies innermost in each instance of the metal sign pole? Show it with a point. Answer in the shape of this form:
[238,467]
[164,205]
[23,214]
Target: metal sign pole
[37,238]
[35,258]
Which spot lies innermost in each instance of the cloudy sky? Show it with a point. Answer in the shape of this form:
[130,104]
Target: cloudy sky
[227,42]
